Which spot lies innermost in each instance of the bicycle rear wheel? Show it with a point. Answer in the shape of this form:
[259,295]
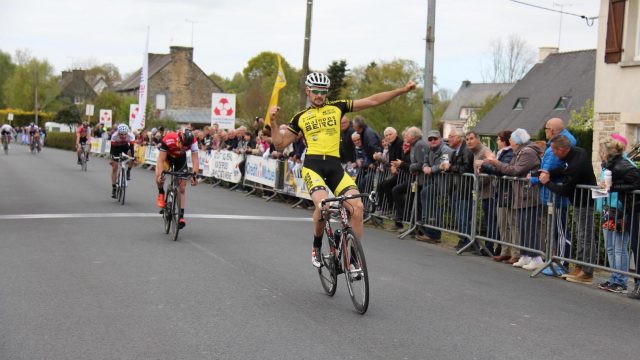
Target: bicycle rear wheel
[328,272]
[356,272]
[166,212]
[175,226]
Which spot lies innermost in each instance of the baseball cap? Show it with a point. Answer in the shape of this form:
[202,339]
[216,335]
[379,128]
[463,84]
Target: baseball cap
[433,133]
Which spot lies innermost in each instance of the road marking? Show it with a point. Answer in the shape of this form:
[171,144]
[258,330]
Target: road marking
[147,215]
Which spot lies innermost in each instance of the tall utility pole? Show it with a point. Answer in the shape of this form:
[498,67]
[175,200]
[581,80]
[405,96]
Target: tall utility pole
[305,56]
[35,93]
[427,114]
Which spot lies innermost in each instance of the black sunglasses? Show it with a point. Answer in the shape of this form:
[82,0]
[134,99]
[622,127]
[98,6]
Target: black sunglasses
[432,138]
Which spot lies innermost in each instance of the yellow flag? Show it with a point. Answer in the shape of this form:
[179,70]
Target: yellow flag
[281,82]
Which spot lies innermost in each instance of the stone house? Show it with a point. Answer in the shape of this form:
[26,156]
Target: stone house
[616,105]
[178,88]
[74,87]
[469,98]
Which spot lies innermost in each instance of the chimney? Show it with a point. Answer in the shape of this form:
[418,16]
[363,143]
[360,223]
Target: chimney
[466,83]
[543,52]
[181,53]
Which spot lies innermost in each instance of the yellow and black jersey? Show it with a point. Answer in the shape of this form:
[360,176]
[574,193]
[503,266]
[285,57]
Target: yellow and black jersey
[321,127]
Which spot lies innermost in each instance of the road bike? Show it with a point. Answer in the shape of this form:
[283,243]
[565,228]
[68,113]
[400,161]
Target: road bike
[171,211]
[5,143]
[343,254]
[34,145]
[84,155]
[121,176]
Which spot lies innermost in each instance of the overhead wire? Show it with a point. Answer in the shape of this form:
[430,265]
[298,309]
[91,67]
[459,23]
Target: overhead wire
[589,20]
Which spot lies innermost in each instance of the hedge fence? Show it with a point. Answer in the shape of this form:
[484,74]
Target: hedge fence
[60,140]
[24,118]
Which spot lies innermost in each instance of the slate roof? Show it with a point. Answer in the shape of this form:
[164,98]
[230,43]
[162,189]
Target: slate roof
[156,63]
[188,115]
[472,95]
[570,74]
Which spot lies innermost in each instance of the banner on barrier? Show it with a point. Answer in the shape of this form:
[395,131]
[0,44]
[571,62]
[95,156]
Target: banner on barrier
[201,156]
[151,155]
[140,153]
[260,170]
[95,145]
[224,165]
[292,183]
[107,146]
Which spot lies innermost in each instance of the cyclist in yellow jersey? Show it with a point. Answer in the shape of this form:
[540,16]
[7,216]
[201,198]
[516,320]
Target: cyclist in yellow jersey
[320,125]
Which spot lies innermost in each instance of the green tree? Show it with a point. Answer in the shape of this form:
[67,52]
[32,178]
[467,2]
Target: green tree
[69,115]
[255,87]
[401,112]
[108,71]
[7,68]
[19,89]
[582,118]
[337,72]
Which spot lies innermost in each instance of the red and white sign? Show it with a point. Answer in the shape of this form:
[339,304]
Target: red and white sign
[134,117]
[223,110]
[105,118]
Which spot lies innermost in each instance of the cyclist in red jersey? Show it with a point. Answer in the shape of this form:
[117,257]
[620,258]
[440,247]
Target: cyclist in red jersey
[83,134]
[173,156]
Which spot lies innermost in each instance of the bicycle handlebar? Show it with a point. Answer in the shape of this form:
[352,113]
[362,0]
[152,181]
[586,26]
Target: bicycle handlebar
[343,198]
[180,174]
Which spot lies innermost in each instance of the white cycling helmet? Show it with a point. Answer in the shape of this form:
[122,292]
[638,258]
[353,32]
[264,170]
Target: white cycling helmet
[316,79]
[123,129]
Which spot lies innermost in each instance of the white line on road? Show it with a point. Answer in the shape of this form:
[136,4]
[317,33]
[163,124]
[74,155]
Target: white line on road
[132,215]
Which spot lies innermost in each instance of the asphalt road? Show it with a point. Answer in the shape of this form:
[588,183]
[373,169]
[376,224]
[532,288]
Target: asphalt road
[89,286]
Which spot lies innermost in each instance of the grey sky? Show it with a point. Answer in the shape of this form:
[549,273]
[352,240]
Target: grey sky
[228,33]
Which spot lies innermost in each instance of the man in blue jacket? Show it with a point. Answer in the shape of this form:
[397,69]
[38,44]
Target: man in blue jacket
[553,128]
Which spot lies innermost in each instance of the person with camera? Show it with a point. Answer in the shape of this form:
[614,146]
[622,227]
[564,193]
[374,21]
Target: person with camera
[620,178]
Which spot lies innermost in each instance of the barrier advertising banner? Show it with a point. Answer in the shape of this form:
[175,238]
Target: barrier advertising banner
[95,146]
[260,170]
[223,110]
[224,165]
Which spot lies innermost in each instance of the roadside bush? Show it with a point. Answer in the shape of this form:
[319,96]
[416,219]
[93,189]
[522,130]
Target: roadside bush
[60,140]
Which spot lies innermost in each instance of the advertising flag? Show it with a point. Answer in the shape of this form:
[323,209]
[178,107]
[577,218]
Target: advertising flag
[281,82]
[133,115]
[142,92]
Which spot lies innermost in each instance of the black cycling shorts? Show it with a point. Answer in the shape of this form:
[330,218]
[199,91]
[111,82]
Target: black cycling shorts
[117,150]
[177,164]
[320,173]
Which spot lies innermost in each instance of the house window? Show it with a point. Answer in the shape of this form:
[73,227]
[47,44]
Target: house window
[78,99]
[161,101]
[563,103]
[466,112]
[520,103]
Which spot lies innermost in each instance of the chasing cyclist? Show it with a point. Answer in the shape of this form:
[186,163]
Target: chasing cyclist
[320,125]
[83,134]
[7,133]
[173,156]
[122,142]
[34,136]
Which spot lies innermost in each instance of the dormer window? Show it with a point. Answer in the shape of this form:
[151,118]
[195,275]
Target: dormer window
[563,103]
[520,103]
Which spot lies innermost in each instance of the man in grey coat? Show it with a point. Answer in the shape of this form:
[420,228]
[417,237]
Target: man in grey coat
[431,190]
[412,136]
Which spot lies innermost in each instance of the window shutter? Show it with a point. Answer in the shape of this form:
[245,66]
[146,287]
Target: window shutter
[615,25]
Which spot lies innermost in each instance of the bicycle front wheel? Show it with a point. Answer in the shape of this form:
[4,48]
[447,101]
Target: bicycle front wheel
[329,271]
[166,212]
[356,272]
[123,185]
[175,221]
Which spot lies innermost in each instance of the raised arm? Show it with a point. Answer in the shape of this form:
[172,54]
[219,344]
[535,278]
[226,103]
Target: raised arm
[383,97]
[280,138]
